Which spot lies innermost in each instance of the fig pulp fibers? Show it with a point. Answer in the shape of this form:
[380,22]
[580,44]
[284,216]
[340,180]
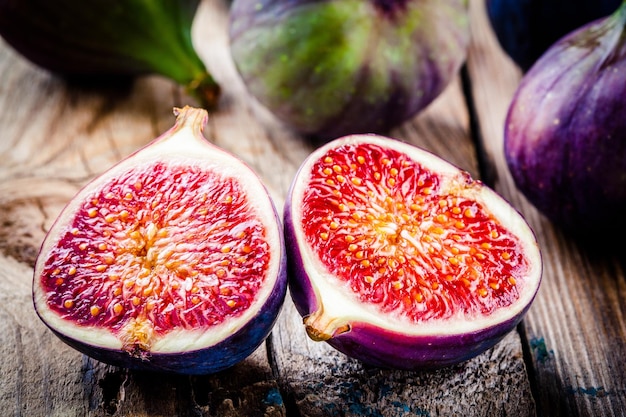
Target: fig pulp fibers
[385,226]
[164,247]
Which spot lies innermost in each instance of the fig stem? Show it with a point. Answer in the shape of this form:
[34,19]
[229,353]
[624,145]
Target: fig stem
[320,327]
[192,117]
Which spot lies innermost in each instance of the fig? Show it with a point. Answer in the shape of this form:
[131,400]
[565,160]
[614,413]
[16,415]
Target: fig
[565,131]
[401,260]
[173,260]
[330,68]
[525,29]
[103,41]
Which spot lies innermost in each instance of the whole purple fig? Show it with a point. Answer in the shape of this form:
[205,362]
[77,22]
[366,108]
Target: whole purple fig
[565,131]
[328,68]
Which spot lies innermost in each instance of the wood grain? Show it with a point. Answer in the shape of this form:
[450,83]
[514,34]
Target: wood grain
[566,359]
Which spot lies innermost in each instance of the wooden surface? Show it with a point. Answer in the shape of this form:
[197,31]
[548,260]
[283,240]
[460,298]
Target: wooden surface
[566,359]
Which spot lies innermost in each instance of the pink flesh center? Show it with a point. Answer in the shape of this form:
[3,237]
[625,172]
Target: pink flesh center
[160,248]
[381,223]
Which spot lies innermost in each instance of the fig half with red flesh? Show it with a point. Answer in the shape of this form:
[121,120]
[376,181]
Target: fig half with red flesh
[172,260]
[400,259]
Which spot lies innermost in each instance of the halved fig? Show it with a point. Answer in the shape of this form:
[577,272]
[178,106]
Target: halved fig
[400,259]
[172,260]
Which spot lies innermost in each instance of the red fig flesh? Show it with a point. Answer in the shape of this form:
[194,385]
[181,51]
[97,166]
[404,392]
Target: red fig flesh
[400,259]
[172,260]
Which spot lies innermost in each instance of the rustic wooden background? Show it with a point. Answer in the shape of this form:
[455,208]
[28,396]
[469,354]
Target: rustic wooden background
[566,359]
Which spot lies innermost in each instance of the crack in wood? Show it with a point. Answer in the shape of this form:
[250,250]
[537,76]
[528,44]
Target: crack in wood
[113,393]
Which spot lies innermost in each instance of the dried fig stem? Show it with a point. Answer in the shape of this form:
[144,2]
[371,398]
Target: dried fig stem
[320,327]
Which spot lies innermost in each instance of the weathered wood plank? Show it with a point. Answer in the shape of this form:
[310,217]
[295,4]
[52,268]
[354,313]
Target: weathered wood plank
[576,328]
[319,381]
[55,138]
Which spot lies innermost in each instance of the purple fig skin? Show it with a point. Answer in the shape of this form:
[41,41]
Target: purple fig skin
[216,358]
[383,348]
[565,130]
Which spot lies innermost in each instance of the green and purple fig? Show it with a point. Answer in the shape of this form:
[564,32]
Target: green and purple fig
[328,68]
[565,131]
[103,40]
